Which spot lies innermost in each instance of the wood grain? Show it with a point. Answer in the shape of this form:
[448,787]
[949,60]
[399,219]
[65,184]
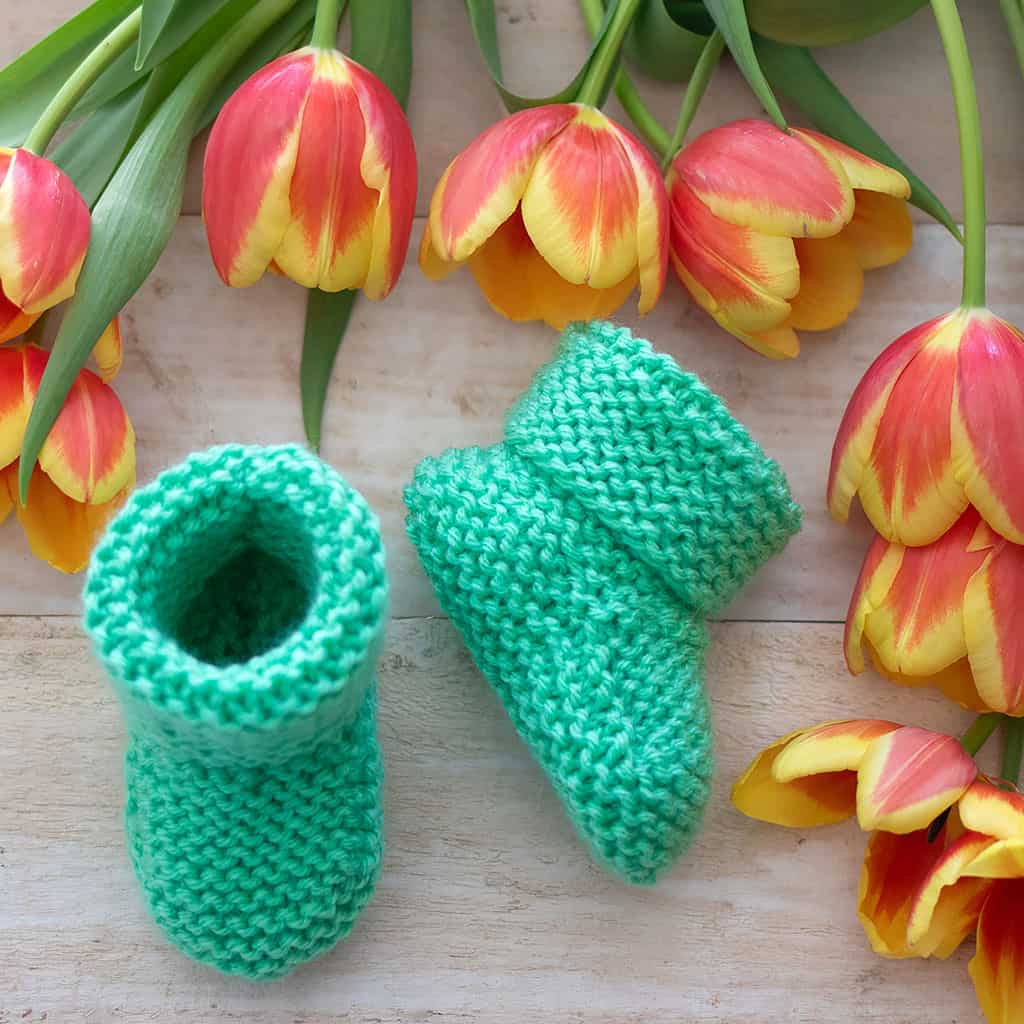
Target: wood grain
[488,908]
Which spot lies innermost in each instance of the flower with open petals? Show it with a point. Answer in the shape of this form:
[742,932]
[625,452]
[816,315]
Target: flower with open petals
[771,231]
[311,171]
[949,614]
[936,424]
[44,234]
[86,466]
[559,213]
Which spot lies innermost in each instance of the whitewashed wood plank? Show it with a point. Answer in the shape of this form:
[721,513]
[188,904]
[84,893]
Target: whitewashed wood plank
[433,367]
[489,908]
[897,80]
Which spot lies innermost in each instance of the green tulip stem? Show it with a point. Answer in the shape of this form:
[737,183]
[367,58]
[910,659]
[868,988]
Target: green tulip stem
[1014,17]
[965,100]
[325,27]
[78,82]
[695,89]
[625,91]
[1013,749]
[603,67]
[979,732]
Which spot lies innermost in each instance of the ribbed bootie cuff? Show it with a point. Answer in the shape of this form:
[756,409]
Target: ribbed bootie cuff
[238,602]
[658,459]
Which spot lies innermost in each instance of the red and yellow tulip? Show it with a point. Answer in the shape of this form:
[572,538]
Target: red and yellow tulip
[558,212]
[935,425]
[44,234]
[771,232]
[86,467]
[310,171]
[948,614]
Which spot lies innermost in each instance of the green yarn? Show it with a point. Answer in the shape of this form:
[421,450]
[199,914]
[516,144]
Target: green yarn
[579,559]
[238,605]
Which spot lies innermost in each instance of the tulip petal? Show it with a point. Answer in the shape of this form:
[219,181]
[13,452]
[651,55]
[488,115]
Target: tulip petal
[108,352]
[831,283]
[580,204]
[829,747]
[44,232]
[910,488]
[802,803]
[21,369]
[855,439]
[881,231]
[246,215]
[896,868]
[881,563]
[8,489]
[388,166]
[955,682]
[861,171]
[59,529]
[1003,858]
[994,811]
[431,263]
[90,452]
[910,776]
[944,909]
[13,321]
[997,967]
[485,182]
[752,174]
[989,422]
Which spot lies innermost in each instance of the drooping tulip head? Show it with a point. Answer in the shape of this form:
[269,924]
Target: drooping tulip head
[936,424]
[44,235]
[771,232]
[559,213]
[311,171]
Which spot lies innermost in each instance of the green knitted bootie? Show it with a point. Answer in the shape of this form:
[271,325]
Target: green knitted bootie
[579,559]
[238,605]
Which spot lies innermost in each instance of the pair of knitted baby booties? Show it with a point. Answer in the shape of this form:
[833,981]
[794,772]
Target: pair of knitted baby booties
[238,605]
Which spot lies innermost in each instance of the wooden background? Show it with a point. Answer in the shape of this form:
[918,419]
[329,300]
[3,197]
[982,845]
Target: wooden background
[489,908]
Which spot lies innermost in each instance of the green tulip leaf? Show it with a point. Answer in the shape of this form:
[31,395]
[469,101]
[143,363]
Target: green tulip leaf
[381,42]
[661,48]
[168,24]
[133,220]
[483,21]
[691,15]
[29,82]
[824,22]
[795,73]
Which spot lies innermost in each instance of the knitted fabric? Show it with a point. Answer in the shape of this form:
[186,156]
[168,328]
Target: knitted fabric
[579,559]
[238,604]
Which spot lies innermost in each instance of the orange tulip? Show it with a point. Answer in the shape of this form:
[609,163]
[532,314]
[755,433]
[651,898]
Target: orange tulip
[772,231]
[947,613]
[86,466]
[44,234]
[559,213]
[311,171]
[936,425]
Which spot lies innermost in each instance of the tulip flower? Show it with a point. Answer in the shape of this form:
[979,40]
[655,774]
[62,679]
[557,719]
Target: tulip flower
[948,613]
[559,213]
[44,234]
[771,232]
[310,171]
[86,467]
[934,426]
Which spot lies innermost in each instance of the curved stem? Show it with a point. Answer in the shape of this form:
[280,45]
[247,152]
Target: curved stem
[106,52]
[1013,749]
[979,732]
[1014,17]
[597,81]
[632,103]
[965,100]
[325,27]
[695,90]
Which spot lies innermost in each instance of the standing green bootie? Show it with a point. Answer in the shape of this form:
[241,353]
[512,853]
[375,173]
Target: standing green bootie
[238,605]
[579,559]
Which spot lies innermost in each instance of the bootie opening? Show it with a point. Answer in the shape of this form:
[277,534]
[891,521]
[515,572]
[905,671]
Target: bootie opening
[242,590]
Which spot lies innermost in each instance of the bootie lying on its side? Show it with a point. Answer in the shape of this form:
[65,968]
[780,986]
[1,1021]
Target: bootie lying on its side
[238,605]
[579,559]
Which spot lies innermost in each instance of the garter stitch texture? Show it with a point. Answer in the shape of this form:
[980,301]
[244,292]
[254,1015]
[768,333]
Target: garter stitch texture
[237,604]
[579,559]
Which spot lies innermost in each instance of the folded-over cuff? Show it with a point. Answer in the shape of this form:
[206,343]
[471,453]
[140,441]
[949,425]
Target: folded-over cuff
[658,459]
[238,603]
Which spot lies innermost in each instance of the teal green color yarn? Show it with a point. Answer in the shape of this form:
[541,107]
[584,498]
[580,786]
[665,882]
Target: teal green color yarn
[579,559]
[238,604]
